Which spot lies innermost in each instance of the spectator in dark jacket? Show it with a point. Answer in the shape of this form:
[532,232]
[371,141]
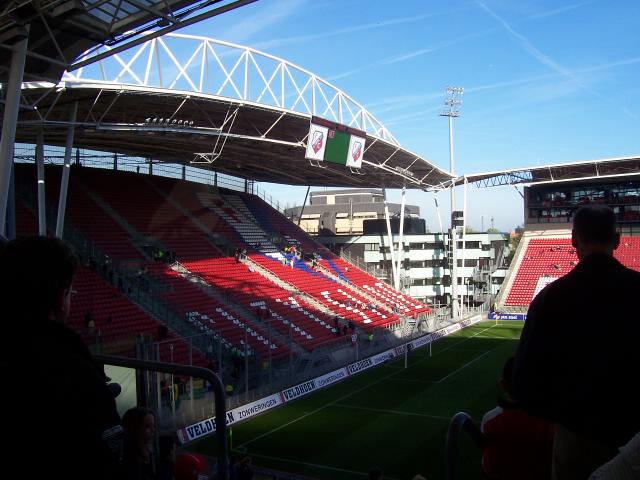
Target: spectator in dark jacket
[71,412]
[578,353]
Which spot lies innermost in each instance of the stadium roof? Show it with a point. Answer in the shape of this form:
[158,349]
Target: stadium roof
[60,30]
[202,102]
[563,172]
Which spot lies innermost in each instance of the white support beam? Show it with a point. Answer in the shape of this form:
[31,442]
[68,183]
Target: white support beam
[64,183]
[42,214]
[400,247]
[389,234]
[464,240]
[9,122]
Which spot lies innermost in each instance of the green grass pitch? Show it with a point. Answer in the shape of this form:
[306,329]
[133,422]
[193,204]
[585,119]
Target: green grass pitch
[389,416]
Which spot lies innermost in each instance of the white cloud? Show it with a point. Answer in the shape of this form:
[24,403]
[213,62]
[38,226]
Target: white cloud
[558,11]
[277,42]
[270,14]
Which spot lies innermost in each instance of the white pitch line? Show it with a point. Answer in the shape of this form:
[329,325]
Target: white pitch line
[414,380]
[375,382]
[468,349]
[394,412]
[302,417]
[464,366]
[315,465]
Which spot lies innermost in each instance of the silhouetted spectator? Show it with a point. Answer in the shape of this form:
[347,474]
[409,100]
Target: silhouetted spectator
[75,417]
[139,427]
[559,375]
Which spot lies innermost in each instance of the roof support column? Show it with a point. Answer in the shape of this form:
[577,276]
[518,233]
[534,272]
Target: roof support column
[464,242]
[9,123]
[42,213]
[304,204]
[64,183]
[11,205]
[389,234]
[400,246]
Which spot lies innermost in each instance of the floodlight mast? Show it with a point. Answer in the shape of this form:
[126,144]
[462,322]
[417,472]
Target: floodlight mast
[452,101]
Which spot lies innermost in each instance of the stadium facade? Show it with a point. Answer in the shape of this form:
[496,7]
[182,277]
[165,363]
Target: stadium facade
[344,211]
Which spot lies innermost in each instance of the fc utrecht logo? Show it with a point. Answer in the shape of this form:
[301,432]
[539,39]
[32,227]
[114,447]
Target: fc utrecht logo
[356,151]
[316,143]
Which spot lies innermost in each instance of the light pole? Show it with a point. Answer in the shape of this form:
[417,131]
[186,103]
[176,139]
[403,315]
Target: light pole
[452,102]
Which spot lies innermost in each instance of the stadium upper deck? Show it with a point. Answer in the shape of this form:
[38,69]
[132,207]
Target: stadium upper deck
[225,107]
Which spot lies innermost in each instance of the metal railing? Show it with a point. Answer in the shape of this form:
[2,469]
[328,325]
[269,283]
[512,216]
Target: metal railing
[207,375]
[461,422]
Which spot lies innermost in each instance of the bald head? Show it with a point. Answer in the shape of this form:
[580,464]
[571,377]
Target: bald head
[594,230]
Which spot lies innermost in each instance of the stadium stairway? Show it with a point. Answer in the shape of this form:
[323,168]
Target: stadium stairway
[252,235]
[185,195]
[260,297]
[273,222]
[211,316]
[325,269]
[327,292]
[376,289]
[294,292]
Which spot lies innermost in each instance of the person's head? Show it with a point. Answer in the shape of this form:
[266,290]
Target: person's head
[375,474]
[139,427]
[37,278]
[594,231]
[507,376]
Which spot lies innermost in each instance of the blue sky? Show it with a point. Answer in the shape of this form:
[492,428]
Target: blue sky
[545,81]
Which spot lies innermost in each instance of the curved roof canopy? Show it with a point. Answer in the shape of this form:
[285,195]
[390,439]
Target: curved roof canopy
[194,100]
[60,30]
[562,172]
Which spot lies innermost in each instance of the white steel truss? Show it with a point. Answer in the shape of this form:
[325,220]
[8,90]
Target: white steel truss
[195,64]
